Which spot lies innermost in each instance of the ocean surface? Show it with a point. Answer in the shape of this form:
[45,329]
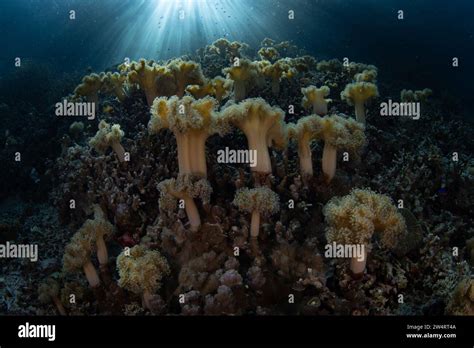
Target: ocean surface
[415,52]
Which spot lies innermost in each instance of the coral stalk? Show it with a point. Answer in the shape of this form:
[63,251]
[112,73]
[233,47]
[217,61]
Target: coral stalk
[329,161]
[255,224]
[91,274]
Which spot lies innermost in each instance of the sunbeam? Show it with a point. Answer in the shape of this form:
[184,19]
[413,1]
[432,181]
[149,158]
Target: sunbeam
[167,28]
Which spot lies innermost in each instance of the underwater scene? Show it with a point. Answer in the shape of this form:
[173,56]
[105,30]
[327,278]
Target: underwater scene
[236,157]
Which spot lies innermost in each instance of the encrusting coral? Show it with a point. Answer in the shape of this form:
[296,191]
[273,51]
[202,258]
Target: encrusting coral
[141,271]
[263,126]
[258,201]
[338,133]
[108,136]
[353,220]
[48,291]
[315,98]
[357,94]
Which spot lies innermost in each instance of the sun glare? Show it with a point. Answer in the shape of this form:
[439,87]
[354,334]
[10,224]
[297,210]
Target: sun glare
[166,28]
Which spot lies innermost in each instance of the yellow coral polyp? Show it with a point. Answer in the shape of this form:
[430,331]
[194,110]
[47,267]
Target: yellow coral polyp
[315,98]
[263,126]
[141,271]
[89,88]
[115,83]
[192,122]
[148,77]
[368,75]
[243,73]
[185,73]
[304,132]
[78,252]
[108,136]
[357,94]
[353,219]
[280,69]
[415,96]
[222,87]
[187,188]
[339,133]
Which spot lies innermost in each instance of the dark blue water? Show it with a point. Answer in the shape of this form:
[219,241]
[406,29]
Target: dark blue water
[415,52]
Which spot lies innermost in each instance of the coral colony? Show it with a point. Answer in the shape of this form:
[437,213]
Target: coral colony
[234,181]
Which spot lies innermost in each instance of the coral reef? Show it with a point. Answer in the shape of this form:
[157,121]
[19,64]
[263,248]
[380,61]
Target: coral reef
[177,232]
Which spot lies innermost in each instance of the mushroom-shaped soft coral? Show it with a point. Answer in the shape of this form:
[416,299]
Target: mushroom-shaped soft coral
[185,187]
[263,126]
[141,271]
[218,87]
[415,96]
[353,219]
[192,122]
[280,69]
[201,91]
[268,53]
[108,136]
[258,201]
[48,291]
[304,132]
[243,73]
[228,49]
[114,83]
[333,65]
[185,73]
[147,76]
[339,133]
[316,98]
[97,231]
[89,88]
[77,256]
[368,75]
[358,94]
[222,87]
